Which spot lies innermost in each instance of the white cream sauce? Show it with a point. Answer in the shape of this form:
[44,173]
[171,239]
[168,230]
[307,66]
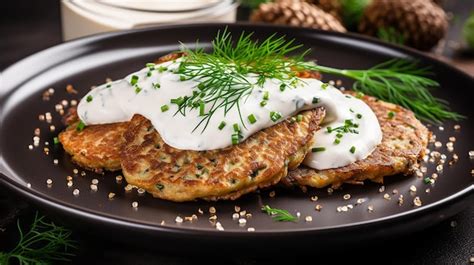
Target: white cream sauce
[118,101]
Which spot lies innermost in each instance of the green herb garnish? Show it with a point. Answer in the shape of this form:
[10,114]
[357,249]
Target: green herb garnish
[391,114]
[56,140]
[89,98]
[353,149]
[134,80]
[252,119]
[279,215]
[44,243]
[299,117]
[318,149]
[80,126]
[222,125]
[275,115]
[164,108]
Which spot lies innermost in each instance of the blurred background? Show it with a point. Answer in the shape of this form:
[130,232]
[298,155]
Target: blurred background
[440,28]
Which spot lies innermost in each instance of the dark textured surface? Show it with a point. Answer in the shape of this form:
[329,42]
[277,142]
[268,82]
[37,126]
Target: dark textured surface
[442,244]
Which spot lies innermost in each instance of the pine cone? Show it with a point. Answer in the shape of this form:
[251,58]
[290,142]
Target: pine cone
[333,7]
[421,23]
[296,13]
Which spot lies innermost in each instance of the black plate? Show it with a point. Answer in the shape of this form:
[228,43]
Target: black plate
[89,61]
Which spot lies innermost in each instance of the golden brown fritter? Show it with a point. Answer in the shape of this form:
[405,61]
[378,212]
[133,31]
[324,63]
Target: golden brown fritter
[183,175]
[96,146]
[404,142]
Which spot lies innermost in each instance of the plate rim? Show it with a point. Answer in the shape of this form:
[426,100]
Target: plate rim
[55,204]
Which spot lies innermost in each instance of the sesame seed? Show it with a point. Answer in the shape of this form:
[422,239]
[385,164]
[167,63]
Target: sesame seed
[346,197]
[452,139]
[75,171]
[428,190]
[213,218]
[438,144]
[75,192]
[188,218]
[242,213]
[135,204]
[370,208]
[242,221]
[93,187]
[360,201]
[212,210]
[471,154]
[73,102]
[339,209]
[439,168]
[412,188]
[141,191]
[344,208]
[178,219]
[394,191]
[417,202]
[118,179]
[248,215]
[237,209]
[314,198]
[219,226]
[51,90]
[298,214]
[453,223]
[200,211]
[69,184]
[382,189]
[441,128]
[471,259]
[318,207]
[330,191]
[30,147]
[251,229]
[49,182]
[457,127]
[83,173]
[128,188]
[308,218]
[472,172]
[450,145]
[386,196]
[272,194]
[235,216]
[95,181]
[41,117]
[423,169]
[111,195]
[400,199]
[28,185]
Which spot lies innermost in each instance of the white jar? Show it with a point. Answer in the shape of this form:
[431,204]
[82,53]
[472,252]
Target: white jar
[85,17]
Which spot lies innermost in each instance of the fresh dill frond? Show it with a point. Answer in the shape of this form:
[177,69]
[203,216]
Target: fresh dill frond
[279,215]
[222,73]
[400,82]
[44,243]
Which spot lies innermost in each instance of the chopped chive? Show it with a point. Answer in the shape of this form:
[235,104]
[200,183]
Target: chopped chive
[359,116]
[89,98]
[150,65]
[222,125]
[351,110]
[55,140]
[252,119]
[235,138]
[282,87]
[315,100]
[148,74]
[266,95]
[329,129]
[137,89]
[164,108]
[324,85]
[161,69]
[201,108]
[299,117]
[108,86]
[156,85]
[337,141]
[80,126]
[391,114]
[134,80]
[201,86]
[353,149]
[318,149]
[160,186]
[236,127]
[178,101]
[359,95]
[263,103]
[275,115]
[427,180]
[182,78]
[339,135]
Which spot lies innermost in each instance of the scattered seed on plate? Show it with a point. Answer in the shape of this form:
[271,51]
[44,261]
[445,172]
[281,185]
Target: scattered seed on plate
[308,218]
[242,221]
[387,197]
[30,147]
[212,218]
[49,182]
[428,190]
[178,219]
[111,195]
[360,200]
[69,184]
[93,187]
[200,211]
[314,198]
[75,171]
[248,215]
[394,191]
[128,188]
[417,201]
[439,168]
[370,208]
[237,208]
[28,185]
[135,204]
[457,127]
[381,189]
[212,210]
[438,144]
[330,191]
[453,223]
[298,214]
[441,128]
[346,197]
[73,102]
[471,154]
[272,194]
[243,213]
[400,200]
[41,117]
[235,216]
[141,191]
[219,226]
[95,181]
[75,192]
[412,188]
[472,172]
[251,229]
[83,173]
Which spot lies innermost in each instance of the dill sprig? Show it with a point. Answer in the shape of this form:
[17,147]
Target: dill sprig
[222,73]
[400,82]
[44,243]
[223,82]
[279,215]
